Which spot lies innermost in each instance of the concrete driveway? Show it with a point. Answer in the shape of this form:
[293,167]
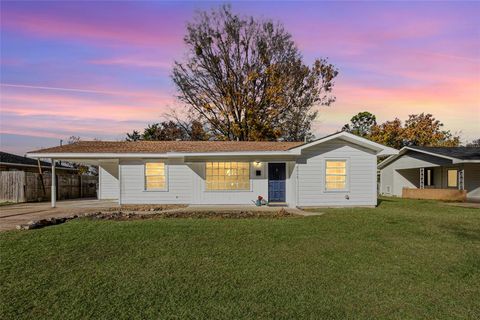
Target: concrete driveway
[15,214]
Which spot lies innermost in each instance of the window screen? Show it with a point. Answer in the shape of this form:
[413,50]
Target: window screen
[155,176]
[336,175]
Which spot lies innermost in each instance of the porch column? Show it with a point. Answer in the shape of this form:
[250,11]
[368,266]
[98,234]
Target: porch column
[422,178]
[461,179]
[54,185]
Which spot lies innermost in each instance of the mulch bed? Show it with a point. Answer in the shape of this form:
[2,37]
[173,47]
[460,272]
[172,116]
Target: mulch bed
[125,215]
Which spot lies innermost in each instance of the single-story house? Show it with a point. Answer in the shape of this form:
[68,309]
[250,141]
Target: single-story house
[336,170]
[449,173]
[13,162]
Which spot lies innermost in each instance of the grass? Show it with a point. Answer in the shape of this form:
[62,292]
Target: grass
[6,203]
[405,259]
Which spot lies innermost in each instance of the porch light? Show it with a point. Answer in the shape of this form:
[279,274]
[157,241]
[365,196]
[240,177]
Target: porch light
[257,164]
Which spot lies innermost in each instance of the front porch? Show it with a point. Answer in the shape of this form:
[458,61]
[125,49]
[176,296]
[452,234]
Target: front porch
[434,183]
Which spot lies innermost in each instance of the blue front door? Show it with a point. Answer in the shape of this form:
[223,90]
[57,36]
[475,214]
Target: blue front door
[276,182]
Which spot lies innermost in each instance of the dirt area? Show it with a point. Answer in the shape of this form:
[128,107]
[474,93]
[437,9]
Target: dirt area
[219,212]
[16,214]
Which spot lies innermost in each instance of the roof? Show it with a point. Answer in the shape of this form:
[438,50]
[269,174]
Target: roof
[380,149]
[455,154]
[13,159]
[169,146]
[463,153]
[142,149]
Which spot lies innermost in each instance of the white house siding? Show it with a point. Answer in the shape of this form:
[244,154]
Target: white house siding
[186,185]
[361,176]
[291,184]
[258,186]
[132,183]
[108,180]
[305,180]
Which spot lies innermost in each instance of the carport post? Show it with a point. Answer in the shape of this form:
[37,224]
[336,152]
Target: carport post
[422,178]
[54,185]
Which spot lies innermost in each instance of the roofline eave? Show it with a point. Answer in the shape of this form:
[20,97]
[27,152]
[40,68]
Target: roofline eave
[380,149]
[123,155]
[402,151]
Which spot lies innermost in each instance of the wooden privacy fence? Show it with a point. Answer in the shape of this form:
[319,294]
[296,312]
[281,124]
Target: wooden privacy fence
[20,186]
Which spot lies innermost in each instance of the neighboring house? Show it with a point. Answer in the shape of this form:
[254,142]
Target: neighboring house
[441,170]
[12,162]
[336,170]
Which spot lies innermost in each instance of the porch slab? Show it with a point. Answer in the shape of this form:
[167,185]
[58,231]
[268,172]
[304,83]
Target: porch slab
[16,214]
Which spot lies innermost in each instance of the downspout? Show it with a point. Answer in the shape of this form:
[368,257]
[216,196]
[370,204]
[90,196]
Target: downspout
[54,185]
[296,184]
[119,183]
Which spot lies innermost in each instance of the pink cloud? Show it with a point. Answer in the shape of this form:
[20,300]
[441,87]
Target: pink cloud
[70,27]
[124,107]
[440,99]
[341,38]
[136,61]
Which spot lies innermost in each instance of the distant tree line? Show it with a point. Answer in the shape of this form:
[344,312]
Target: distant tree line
[171,130]
[418,130]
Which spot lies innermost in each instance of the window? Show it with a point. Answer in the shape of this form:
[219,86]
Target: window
[429,177]
[452,178]
[155,176]
[228,176]
[336,175]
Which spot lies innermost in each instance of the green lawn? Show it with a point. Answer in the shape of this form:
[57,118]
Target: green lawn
[404,259]
[5,203]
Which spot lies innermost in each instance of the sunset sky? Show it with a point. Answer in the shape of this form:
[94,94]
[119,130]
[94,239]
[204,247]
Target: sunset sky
[101,69]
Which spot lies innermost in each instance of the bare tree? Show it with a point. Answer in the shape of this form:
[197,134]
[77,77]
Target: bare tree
[246,79]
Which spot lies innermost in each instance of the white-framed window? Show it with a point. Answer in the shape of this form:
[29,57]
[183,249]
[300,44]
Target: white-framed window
[335,175]
[227,176]
[452,178]
[155,176]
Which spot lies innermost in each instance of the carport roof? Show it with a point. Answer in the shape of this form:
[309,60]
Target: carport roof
[13,159]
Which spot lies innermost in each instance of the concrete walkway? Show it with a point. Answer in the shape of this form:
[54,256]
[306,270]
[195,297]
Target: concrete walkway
[15,214]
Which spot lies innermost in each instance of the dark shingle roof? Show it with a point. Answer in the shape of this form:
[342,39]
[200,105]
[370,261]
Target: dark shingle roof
[169,146]
[462,153]
[14,159]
